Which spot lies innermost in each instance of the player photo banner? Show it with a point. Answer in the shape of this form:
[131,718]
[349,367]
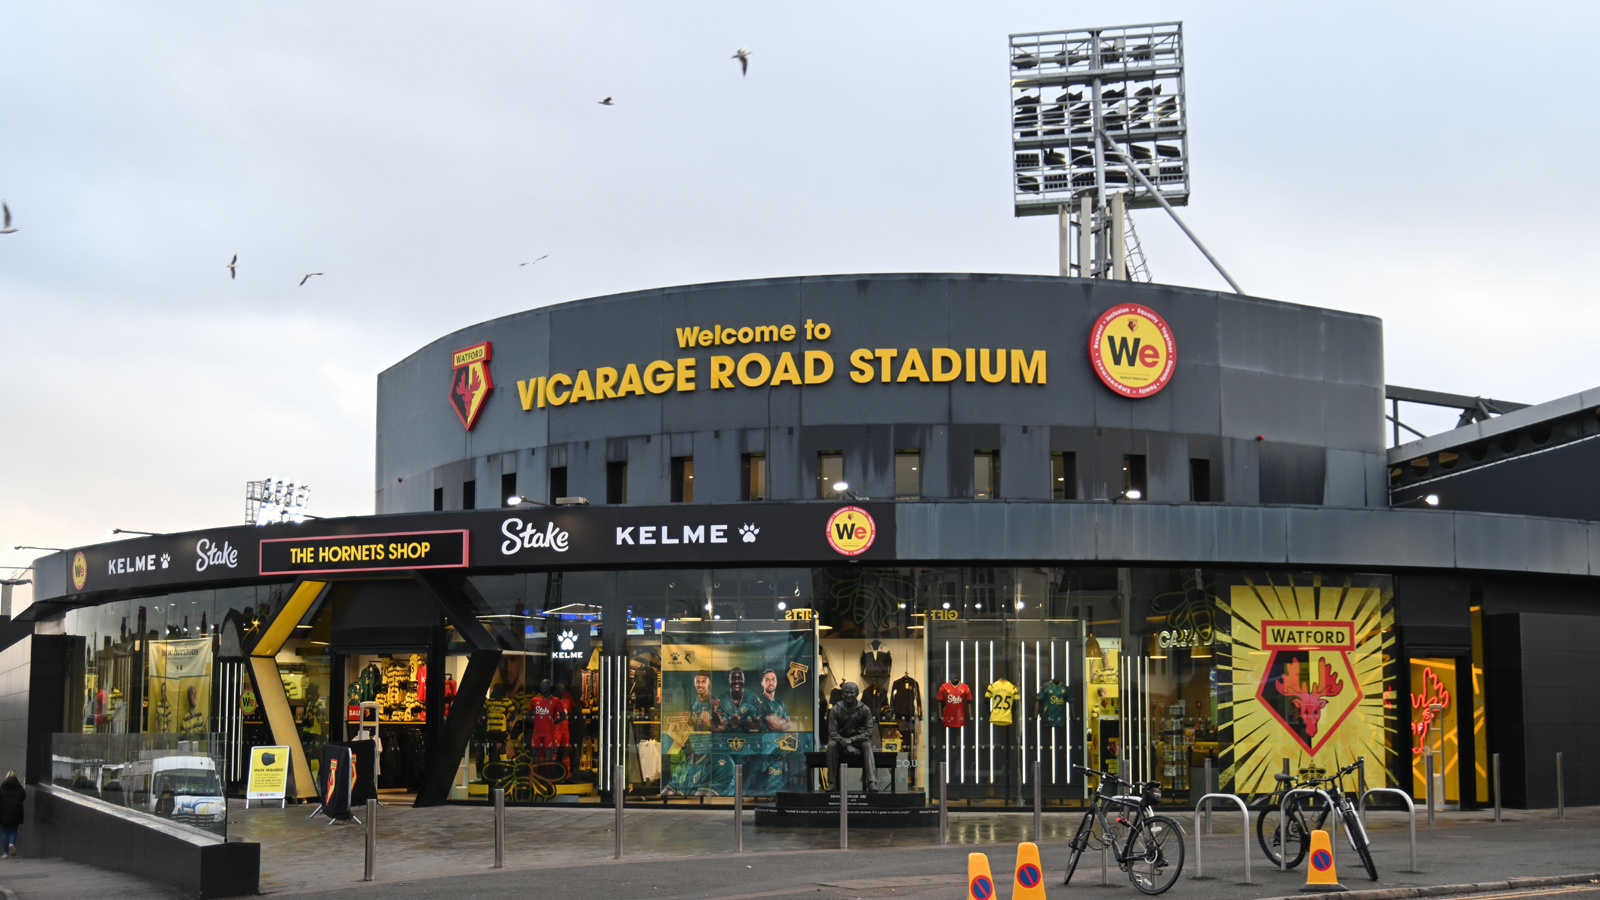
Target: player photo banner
[731,698]
[1307,677]
[179,678]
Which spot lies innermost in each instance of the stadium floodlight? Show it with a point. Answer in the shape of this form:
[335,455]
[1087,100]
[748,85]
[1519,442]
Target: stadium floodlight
[274,500]
[1099,127]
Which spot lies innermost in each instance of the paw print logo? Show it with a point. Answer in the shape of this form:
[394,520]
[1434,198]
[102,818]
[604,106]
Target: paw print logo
[165,558]
[567,639]
[749,532]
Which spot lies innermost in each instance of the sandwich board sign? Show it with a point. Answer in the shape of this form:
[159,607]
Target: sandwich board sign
[269,775]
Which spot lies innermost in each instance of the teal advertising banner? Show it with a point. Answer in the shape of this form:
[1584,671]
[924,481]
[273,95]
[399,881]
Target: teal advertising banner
[736,697]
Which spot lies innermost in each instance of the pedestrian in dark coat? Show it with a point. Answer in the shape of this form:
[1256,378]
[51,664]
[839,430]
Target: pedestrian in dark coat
[13,804]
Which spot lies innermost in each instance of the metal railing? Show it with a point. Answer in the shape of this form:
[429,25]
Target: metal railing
[1199,843]
[1283,825]
[1411,810]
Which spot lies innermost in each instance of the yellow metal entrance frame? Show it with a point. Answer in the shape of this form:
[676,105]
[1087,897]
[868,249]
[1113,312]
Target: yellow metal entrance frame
[269,686]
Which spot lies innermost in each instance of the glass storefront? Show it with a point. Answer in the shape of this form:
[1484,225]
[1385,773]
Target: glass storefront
[681,677]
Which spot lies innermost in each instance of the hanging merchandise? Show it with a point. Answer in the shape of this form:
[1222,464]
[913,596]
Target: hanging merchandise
[1053,704]
[1002,696]
[876,661]
[650,760]
[955,697]
[544,709]
[874,698]
[905,698]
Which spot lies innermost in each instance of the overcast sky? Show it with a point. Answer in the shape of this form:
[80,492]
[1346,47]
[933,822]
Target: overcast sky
[1429,163]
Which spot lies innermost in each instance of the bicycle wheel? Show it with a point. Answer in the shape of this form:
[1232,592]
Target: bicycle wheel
[1080,841]
[1294,838]
[1156,858]
[1358,839]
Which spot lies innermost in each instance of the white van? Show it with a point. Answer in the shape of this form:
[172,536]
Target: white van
[184,789]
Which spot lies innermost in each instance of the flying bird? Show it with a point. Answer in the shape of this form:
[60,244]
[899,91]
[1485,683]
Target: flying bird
[532,261]
[607,102]
[743,56]
[308,277]
[233,266]
[6,228]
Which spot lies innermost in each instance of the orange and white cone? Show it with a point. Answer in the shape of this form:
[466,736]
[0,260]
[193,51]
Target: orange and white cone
[1320,874]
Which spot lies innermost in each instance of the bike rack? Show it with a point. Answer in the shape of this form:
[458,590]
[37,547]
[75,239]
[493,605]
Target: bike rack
[1283,823]
[1199,852]
[1411,808]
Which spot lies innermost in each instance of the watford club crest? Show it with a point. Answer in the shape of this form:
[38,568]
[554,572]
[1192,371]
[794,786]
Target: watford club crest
[470,383]
[1309,685]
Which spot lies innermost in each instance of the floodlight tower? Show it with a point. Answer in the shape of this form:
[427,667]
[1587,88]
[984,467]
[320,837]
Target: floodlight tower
[1100,127]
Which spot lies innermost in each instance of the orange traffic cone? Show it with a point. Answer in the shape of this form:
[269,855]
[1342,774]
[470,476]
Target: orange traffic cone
[980,884]
[1029,881]
[1320,874]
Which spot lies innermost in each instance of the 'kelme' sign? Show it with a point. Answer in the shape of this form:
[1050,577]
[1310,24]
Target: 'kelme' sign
[365,552]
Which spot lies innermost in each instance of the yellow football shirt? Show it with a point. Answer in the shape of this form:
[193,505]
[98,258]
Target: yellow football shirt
[1002,696]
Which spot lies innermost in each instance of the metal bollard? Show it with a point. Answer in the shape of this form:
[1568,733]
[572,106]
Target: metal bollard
[1207,789]
[619,789]
[1038,805]
[738,808]
[1496,788]
[372,841]
[1427,783]
[499,828]
[844,806]
[944,804]
[1561,793]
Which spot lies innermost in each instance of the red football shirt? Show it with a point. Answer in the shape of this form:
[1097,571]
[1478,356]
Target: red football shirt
[955,697]
[544,711]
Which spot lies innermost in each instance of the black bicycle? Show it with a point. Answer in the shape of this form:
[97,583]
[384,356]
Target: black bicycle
[1307,813]
[1146,846]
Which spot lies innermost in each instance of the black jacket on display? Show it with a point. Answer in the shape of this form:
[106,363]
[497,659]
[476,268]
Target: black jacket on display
[13,802]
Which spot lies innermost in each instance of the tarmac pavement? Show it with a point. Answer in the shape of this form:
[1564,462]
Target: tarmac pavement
[685,854]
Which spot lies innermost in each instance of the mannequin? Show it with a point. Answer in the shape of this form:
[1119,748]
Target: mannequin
[544,709]
[850,731]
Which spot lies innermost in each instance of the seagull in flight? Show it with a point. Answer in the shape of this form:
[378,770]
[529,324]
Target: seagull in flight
[532,261]
[6,228]
[308,277]
[607,102]
[743,56]
[233,266]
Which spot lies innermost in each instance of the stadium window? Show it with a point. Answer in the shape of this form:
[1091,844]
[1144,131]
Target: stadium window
[683,479]
[830,471]
[1134,476]
[1200,480]
[985,474]
[508,486]
[558,483]
[753,476]
[617,482]
[1064,476]
[907,474]
[469,495]
[438,499]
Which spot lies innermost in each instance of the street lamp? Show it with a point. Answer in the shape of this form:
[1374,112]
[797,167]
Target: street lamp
[1129,494]
[51,549]
[112,531]
[843,487]
[518,500]
[1430,500]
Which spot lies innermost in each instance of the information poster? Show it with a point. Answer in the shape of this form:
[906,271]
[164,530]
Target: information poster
[1307,680]
[736,698]
[269,774]
[179,700]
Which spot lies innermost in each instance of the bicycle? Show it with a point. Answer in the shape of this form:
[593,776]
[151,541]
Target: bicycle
[1295,838]
[1146,846]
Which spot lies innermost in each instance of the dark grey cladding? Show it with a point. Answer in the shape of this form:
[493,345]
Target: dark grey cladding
[1225,534]
[1308,381]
